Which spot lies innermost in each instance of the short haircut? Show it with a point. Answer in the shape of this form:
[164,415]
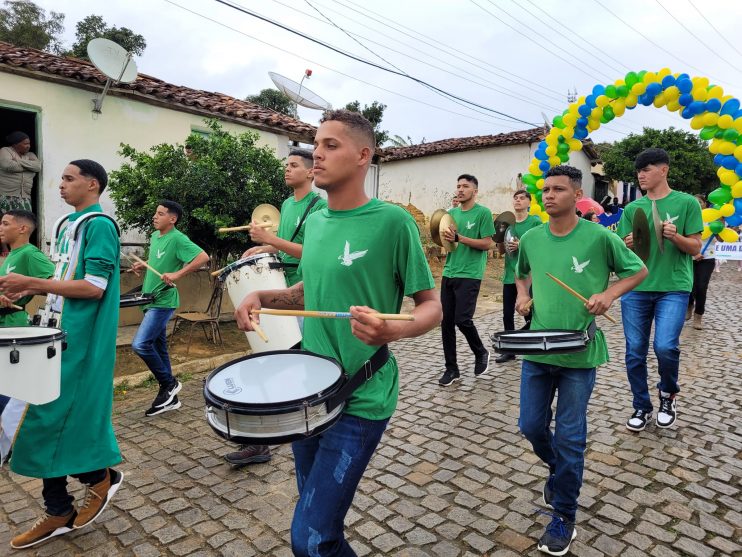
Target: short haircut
[653,155]
[469,178]
[305,154]
[92,169]
[355,121]
[574,174]
[173,207]
[522,192]
[26,216]
[702,200]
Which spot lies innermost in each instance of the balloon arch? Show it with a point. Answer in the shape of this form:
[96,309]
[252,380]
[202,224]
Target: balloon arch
[717,116]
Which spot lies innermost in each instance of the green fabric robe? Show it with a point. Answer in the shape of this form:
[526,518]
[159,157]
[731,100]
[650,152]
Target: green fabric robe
[74,434]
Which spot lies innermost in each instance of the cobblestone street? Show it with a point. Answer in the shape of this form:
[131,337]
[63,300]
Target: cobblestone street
[452,476]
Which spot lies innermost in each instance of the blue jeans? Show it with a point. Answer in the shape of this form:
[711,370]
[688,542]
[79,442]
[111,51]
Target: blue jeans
[3,402]
[150,343]
[563,451]
[638,310]
[329,467]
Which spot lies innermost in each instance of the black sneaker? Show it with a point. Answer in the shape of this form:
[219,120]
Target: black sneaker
[558,536]
[549,491]
[482,364]
[638,420]
[174,405]
[166,394]
[448,377]
[249,454]
[502,358]
[667,413]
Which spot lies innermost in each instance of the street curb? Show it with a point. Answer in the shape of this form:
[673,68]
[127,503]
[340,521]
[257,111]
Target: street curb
[194,366]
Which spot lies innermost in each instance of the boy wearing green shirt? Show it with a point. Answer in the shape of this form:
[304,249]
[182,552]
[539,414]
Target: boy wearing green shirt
[582,254]
[365,255]
[462,277]
[173,255]
[523,223]
[675,225]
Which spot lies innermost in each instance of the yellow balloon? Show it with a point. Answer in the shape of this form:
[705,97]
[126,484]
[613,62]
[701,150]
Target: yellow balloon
[551,150]
[540,185]
[570,120]
[727,147]
[716,92]
[673,106]
[672,93]
[725,121]
[710,215]
[537,171]
[699,93]
[664,72]
[544,216]
[568,132]
[555,161]
[729,235]
[574,144]
[696,122]
[650,77]
[631,100]
[727,210]
[573,109]
[638,88]
[737,190]
[535,209]
[738,153]
[660,100]
[592,124]
[706,233]
[710,118]
[738,125]
[596,113]
[729,177]
[725,98]
[619,82]
[700,82]
[715,146]
[619,108]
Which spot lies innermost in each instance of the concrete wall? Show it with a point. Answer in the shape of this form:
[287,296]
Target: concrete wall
[430,182]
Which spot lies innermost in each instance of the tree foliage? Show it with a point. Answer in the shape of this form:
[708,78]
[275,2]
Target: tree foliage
[93,27]
[219,184]
[25,24]
[692,167]
[275,100]
[374,113]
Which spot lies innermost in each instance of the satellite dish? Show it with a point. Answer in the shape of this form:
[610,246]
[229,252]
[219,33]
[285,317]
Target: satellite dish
[298,93]
[113,61]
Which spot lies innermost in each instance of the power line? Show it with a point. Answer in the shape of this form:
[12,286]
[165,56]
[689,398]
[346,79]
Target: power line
[714,28]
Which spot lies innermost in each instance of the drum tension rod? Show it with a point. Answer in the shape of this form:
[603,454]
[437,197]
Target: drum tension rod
[306,417]
[226,415]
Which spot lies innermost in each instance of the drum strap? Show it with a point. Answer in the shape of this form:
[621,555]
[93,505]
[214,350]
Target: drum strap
[364,373]
[592,328]
[304,217]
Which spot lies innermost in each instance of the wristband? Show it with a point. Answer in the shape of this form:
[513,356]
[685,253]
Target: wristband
[455,236]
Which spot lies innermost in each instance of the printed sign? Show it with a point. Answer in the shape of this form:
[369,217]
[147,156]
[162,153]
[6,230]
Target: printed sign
[726,250]
[610,221]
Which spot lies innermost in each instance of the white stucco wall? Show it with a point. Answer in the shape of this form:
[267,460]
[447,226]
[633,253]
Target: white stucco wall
[68,130]
[429,182]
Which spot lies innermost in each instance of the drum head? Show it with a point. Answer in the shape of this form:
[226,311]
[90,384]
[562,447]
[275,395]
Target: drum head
[252,260]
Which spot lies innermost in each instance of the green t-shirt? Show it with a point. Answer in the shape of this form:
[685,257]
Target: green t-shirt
[368,256]
[519,228]
[583,259]
[29,261]
[291,213]
[167,254]
[468,262]
[671,271]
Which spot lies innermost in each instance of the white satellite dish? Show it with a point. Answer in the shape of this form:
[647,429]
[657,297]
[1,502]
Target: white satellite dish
[298,93]
[113,61]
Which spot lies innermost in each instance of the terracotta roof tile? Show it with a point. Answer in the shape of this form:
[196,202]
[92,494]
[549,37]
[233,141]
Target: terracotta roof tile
[215,103]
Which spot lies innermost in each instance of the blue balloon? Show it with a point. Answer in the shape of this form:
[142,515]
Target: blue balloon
[646,100]
[685,85]
[738,169]
[653,89]
[541,155]
[738,206]
[580,133]
[668,81]
[544,166]
[718,159]
[581,122]
[737,114]
[696,107]
[713,105]
[687,113]
[734,220]
[683,76]
[584,110]
[685,99]
[730,107]
[598,90]
[590,101]
[729,162]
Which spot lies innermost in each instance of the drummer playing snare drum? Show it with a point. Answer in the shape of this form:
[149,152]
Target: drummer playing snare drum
[360,254]
[582,254]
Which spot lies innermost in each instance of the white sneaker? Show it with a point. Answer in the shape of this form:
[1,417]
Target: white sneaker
[667,413]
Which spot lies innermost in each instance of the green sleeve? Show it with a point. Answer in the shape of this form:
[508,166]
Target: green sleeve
[522,266]
[693,223]
[187,250]
[39,266]
[621,260]
[625,223]
[411,267]
[101,249]
[486,224]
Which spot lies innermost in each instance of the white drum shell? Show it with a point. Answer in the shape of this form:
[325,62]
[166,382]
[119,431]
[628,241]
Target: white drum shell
[282,332]
[36,378]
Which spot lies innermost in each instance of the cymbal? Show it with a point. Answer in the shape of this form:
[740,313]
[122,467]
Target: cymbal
[502,223]
[435,222]
[267,213]
[657,222]
[445,223]
[640,234]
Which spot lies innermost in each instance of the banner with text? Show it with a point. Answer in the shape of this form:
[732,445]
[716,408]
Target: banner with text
[726,250]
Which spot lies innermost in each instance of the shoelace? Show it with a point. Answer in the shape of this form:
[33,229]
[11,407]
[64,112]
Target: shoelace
[665,405]
[557,527]
[89,493]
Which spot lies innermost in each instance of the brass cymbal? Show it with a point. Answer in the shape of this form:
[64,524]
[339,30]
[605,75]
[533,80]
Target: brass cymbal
[640,234]
[446,222]
[657,222]
[502,223]
[435,222]
[267,213]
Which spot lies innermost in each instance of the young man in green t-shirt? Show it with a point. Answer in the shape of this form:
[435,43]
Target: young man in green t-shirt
[173,255]
[523,223]
[288,243]
[675,225]
[582,254]
[462,277]
[363,255]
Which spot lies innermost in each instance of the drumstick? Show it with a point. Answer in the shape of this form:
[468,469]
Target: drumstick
[143,262]
[260,332]
[245,227]
[576,294]
[218,271]
[529,303]
[333,314]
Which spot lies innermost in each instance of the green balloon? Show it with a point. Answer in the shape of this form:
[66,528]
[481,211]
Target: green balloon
[563,157]
[558,123]
[622,90]
[538,194]
[562,148]
[608,113]
[631,79]
[730,134]
[640,76]
[709,132]
[716,226]
[531,188]
[610,92]
[720,195]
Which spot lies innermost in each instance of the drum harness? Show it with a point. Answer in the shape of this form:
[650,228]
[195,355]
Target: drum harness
[364,373]
[296,231]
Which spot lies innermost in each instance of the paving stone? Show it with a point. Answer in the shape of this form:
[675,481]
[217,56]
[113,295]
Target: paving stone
[514,540]
[419,536]
[607,545]
[694,548]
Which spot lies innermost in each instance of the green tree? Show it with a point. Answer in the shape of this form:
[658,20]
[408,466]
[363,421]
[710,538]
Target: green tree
[25,24]
[219,184]
[399,141]
[692,167]
[275,100]
[374,113]
[93,27]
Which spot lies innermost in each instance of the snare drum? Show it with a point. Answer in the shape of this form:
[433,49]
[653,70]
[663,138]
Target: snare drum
[31,363]
[547,341]
[263,271]
[136,299]
[274,397]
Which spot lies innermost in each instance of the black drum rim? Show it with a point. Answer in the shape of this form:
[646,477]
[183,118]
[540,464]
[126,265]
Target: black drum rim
[252,260]
[32,341]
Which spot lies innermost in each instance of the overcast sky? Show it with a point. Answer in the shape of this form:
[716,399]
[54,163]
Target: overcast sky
[518,57]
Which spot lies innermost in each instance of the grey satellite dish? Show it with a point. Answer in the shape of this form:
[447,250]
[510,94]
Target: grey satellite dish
[298,93]
[113,61]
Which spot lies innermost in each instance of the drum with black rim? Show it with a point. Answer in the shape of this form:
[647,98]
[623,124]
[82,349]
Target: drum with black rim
[546,341]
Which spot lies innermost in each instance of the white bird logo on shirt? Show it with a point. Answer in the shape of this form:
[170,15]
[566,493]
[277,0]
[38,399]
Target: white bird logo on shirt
[160,254]
[470,225]
[10,269]
[670,219]
[578,267]
[347,258]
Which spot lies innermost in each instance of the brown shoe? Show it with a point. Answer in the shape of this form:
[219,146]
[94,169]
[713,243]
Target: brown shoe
[249,454]
[689,312]
[44,528]
[97,497]
[698,322]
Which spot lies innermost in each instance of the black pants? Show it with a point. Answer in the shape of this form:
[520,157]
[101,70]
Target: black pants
[509,295]
[57,500]
[459,300]
[702,271]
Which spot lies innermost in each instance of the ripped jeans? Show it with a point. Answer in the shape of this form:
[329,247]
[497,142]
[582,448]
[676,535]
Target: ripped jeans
[329,467]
